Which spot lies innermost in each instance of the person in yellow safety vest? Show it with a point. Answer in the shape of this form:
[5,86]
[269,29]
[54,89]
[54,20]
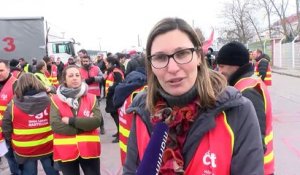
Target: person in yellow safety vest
[92,76]
[233,62]
[26,126]
[51,70]
[114,77]
[24,65]
[262,67]
[75,118]
[7,82]
[40,74]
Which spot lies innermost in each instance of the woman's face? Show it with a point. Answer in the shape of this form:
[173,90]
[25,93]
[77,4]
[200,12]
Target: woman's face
[176,79]
[73,78]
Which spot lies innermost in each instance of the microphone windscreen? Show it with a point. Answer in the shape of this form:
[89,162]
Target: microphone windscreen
[151,162]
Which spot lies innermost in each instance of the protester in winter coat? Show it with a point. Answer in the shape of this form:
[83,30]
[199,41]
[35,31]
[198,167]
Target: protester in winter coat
[189,122]
[26,126]
[262,67]
[7,86]
[233,62]
[41,69]
[136,61]
[75,118]
[114,77]
[14,69]
[125,92]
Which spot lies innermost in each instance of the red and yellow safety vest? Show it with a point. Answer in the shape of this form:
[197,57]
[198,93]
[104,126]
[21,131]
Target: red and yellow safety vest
[32,135]
[70,147]
[125,121]
[252,82]
[209,157]
[94,88]
[52,77]
[16,73]
[6,94]
[268,78]
[110,79]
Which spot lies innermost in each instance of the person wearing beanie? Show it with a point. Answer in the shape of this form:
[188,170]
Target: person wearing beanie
[233,63]
[14,68]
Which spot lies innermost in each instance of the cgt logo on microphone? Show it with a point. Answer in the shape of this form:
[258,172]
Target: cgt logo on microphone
[209,159]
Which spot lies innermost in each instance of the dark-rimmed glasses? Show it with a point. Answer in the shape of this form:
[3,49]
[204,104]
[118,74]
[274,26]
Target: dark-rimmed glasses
[161,60]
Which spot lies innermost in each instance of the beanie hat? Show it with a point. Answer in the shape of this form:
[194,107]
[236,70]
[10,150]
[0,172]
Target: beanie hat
[13,63]
[234,54]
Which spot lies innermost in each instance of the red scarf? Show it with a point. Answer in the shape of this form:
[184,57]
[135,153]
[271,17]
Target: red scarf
[179,120]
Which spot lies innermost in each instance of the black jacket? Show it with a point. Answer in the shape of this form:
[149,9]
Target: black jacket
[253,95]
[247,155]
[133,81]
[110,108]
[263,65]
[135,62]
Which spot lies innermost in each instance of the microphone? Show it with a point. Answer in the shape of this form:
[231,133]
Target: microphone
[151,162]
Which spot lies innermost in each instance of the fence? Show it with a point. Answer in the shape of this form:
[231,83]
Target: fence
[283,55]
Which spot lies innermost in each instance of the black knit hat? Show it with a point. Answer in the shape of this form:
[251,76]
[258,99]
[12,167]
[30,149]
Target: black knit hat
[13,63]
[234,54]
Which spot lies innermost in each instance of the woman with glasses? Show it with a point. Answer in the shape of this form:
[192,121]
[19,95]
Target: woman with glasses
[189,121]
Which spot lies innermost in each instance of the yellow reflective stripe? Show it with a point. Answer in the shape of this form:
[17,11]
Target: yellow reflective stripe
[72,141]
[123,146]
[32,143]
[0,129]
[268,73]
[229,130]
[268,78]
[31,131]
[123,131]
[3,108]
[268,158]
[269,138]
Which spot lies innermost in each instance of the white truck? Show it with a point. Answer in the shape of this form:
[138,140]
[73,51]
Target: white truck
[32,37]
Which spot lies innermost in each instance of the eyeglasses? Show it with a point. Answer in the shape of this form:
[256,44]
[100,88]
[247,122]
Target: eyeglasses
[183,56]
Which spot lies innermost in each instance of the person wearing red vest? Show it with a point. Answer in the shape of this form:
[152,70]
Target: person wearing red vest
[125,92]
[51,71]
[75,118]
[7,84]
[26,126]
[14,69]
[233,62]
[189,122]
[92,76]
[114,77]
[262,67]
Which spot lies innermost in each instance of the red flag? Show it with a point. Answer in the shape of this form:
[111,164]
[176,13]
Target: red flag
[208,43]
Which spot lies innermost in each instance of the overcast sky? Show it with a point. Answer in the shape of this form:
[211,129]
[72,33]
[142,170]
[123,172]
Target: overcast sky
[114,24]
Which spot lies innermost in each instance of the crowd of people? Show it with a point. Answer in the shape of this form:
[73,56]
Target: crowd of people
[177,109]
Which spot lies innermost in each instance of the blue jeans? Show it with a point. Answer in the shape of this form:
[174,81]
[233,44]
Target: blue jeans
[30,167]
[12,163]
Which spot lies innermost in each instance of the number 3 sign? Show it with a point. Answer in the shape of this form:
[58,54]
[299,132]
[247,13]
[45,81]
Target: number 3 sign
[10,45]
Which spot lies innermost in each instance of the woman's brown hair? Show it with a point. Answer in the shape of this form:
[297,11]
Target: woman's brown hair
[28,81]
[209,84]
[64,72]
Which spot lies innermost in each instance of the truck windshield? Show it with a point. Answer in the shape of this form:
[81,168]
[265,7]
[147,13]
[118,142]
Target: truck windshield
[61,48]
